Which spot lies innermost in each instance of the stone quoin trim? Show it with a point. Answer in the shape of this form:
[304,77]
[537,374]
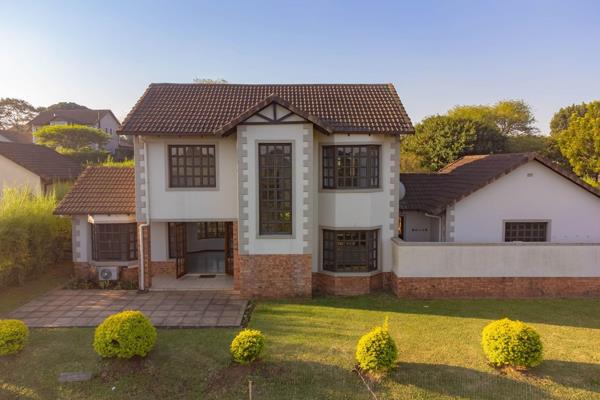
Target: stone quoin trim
[307,195]
[140,182]
[394,184]
[76,237]
[244,224]
[450,223]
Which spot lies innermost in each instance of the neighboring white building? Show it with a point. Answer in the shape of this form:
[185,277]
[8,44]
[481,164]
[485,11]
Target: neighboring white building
[34,167]
[101,119]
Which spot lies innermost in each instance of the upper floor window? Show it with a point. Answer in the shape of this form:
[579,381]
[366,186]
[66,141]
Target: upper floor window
[535,231]
[351,167]
[275,188]
[210,230]
[192,166]
[114,242]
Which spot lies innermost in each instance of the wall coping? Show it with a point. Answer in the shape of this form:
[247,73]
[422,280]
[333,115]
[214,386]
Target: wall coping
[350,274]
[402,243]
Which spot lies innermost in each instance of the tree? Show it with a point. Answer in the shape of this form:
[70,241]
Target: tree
[440,140]
[209,81]
[511,117]
[71,138]
[65,105]
[527,143]
[15,113]
[579,143]
[560,120]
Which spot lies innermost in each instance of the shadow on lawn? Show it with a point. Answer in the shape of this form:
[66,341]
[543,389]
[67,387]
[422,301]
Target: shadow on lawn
[563,312]
[577,375]
[464,383]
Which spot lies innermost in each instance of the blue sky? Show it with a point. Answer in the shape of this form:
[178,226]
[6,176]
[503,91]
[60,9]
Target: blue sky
[437,53]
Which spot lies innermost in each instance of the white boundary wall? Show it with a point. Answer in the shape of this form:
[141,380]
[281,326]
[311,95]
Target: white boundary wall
[463,260]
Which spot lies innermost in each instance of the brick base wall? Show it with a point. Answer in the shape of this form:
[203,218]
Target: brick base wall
[163,267]
[90,272]
[340,285]
[275,276]
[425,288]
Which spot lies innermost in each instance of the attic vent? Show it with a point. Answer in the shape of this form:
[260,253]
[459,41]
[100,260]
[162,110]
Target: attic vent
[529,174]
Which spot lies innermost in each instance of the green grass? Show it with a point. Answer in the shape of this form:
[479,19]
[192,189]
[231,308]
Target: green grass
[309,354]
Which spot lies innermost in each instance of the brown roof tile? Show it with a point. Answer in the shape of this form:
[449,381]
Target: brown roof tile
[41,160]
[101,190]
[433,192]
[16,136]
[212,109]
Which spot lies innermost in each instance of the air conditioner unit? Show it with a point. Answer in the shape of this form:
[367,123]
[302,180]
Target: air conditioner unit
[108,273]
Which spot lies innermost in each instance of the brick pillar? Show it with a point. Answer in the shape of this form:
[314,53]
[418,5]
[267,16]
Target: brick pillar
[146,257]
[236,257]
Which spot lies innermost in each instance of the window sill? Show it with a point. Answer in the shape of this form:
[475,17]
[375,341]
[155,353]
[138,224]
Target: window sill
[374,190]
[288,237]
[350,274]
[191,189]
[132,263]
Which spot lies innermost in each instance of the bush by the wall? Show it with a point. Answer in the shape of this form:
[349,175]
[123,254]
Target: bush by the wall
[247,345]
[13,335]
[32,239]
[124,335]
[377,351]
[511,343]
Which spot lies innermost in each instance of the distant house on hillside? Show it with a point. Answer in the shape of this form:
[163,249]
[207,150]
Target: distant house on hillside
[13,136]
[35,167]
[102,119]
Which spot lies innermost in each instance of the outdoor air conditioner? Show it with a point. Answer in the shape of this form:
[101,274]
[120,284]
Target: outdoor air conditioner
[108,273]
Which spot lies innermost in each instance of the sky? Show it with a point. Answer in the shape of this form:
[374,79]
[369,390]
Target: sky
[438,54]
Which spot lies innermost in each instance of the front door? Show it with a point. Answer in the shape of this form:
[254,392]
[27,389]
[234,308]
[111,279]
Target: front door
[229,248]
[180,249]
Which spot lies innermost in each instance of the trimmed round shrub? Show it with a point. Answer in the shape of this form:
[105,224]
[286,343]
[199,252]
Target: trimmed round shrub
[125,335]
[511,343]
[377,351]
[13,335]
[247,345]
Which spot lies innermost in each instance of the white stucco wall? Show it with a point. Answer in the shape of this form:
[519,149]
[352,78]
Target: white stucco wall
[251,136]
[420,228]
[436,260]
[159,241]
[191,204]
[531,192]
[110,125]
[13,175]
[371,209]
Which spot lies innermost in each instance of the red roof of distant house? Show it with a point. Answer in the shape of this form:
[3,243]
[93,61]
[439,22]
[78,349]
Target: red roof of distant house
[41,160]
[212,109]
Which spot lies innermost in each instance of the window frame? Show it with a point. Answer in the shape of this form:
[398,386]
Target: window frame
[330,251]
[329,168]
[546,224]
[169,166]
[204,230]
[127,235]
[260,208]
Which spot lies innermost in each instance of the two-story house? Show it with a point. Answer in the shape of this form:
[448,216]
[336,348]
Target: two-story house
[101,119]
[274,190]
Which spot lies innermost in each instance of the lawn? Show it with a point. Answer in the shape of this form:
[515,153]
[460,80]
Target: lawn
[309,355]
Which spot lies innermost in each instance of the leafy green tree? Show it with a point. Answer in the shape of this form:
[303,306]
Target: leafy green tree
[439,140]
[560,120]
[580,142]
[15,113]
[71,138]
[511,117]
[65,105]
[527,143]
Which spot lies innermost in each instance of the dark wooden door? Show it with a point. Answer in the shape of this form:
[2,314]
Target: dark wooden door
[180,249]
[229,248]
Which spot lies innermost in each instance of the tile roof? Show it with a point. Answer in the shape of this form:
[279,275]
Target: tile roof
[80,116]
[434,191]
[212,109]
[17,136]
[101,190]
[41,160]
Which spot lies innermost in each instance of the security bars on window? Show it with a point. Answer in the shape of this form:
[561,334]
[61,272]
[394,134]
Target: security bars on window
[114,242]
[351,167]
[192,166]
[350,251]
[525,231]
[275,188]
[210,230]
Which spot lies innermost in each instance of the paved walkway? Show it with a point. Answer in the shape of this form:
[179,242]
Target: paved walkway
[88,308]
